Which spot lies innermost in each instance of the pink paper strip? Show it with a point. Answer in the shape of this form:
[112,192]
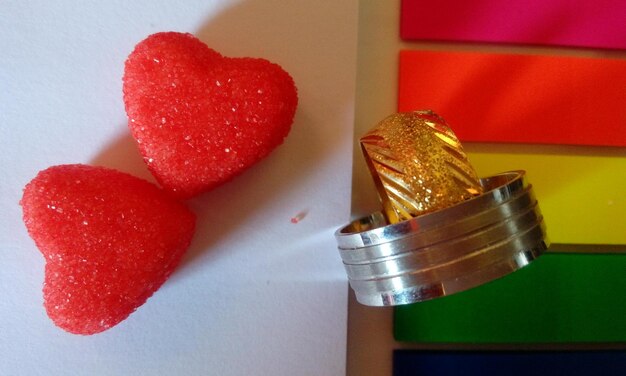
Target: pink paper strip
[576,23]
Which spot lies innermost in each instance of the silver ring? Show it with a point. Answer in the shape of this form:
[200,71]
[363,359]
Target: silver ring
[446,251]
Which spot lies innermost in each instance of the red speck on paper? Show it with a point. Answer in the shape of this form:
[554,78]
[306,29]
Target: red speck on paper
[298,217]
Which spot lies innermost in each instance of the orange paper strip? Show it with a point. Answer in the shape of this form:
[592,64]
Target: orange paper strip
[536,99]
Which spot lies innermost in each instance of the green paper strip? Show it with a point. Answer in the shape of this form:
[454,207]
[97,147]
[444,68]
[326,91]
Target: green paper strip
[559,298]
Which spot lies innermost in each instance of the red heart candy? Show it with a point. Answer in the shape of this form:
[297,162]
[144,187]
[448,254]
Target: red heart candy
[199,118]
[110,240]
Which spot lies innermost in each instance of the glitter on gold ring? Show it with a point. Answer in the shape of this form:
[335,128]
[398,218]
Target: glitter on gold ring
[418,165]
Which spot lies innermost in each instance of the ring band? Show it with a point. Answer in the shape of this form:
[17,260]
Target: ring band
[446,251]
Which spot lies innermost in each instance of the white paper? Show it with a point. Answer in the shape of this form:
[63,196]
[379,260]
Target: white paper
[256,294]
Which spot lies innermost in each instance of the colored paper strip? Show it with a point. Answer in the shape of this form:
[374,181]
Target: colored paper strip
[581,190]
[510,363]
[513,98]
[577,23]
[558,298]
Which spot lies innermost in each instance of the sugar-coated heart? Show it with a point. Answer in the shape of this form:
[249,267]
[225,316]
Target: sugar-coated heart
[200,118]
[110,240]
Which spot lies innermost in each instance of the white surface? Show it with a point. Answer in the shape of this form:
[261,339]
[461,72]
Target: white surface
[256,294]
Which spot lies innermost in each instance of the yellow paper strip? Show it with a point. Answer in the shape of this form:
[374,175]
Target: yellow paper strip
[581,190]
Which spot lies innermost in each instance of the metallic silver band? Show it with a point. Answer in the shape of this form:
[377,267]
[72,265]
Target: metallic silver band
[446,251]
